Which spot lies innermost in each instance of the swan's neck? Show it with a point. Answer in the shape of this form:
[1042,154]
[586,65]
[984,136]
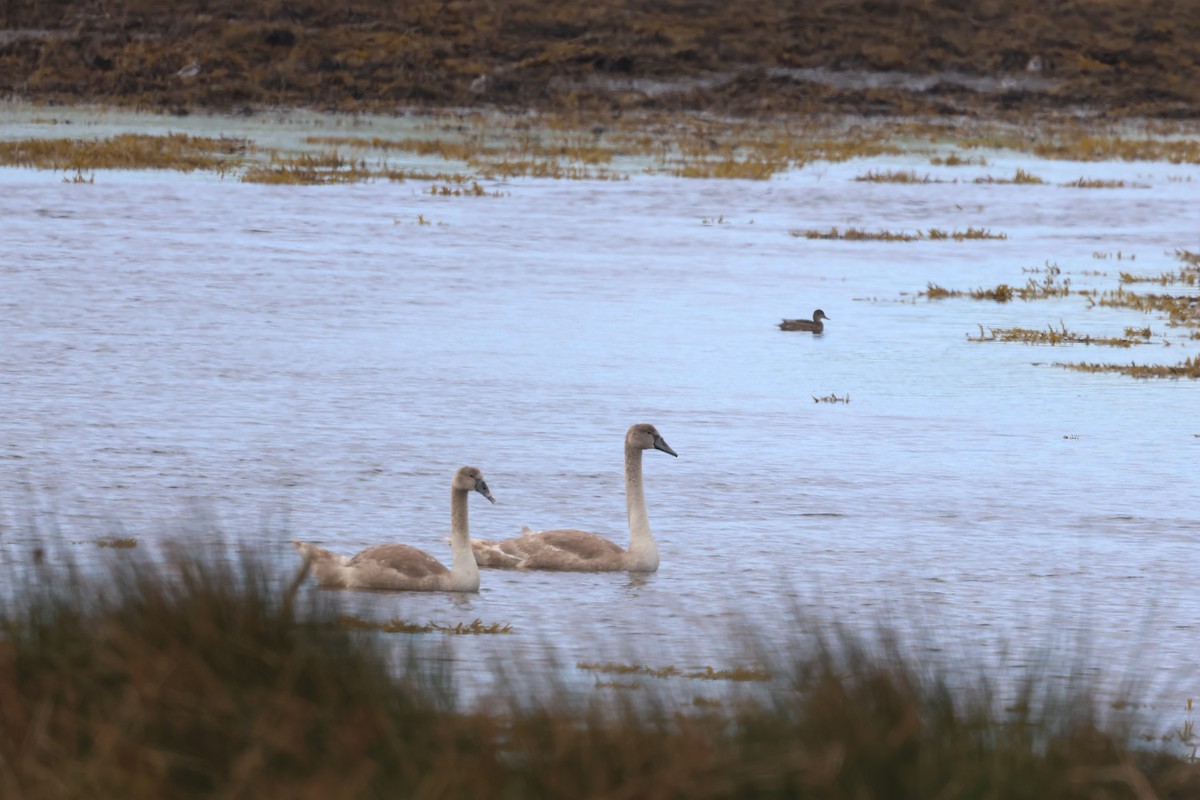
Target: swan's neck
[464,572]
[643,552]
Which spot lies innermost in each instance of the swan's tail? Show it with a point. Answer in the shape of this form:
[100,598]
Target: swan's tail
[328,568]
[489,554]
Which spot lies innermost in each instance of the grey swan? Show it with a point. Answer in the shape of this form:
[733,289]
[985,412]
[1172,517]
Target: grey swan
[572,550]
[405,568]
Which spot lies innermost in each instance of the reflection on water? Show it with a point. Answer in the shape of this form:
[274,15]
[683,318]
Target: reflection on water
[314,363]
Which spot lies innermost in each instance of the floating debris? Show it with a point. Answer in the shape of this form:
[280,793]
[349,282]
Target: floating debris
[707,674]
[120,544]
[1084,183]
[934,234]
[476,627]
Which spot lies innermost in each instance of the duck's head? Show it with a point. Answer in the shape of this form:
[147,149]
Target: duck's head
[819,315]
[645,436]
[470,479]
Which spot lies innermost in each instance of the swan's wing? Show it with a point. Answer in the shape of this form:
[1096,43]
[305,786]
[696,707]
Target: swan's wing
[564,550]
[489,554]
[408,561]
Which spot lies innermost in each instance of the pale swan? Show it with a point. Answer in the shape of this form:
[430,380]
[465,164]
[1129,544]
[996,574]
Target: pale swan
[579,551]
[815,325]
[398,566]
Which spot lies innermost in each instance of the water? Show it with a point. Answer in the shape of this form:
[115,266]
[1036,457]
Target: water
[314,363]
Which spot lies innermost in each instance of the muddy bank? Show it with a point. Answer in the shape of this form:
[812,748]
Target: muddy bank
[1109,58]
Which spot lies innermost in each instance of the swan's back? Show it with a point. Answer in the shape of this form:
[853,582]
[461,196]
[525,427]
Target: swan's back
[387,566]
[564,549]
[406,560]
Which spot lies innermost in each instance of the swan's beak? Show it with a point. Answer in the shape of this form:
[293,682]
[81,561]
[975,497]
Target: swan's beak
[481,487]
[661,444]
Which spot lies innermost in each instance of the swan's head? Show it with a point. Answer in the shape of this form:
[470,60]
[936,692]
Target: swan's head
[644,436]
[819,315]
[470,479]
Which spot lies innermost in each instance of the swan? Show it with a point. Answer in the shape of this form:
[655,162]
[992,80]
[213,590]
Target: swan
[399,566]
[579,551]
[815,325]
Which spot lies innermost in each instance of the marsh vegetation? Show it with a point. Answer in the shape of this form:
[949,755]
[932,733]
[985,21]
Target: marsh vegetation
[1118,59]
[1179,310]
[185,678]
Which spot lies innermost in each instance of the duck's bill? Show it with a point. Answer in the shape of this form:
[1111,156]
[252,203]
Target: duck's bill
[660,444]
[481,487]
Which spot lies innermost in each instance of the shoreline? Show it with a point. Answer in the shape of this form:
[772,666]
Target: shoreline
[1114,60]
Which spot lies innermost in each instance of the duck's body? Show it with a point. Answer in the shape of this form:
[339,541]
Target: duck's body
[573,550]
[405,568]
[814,325]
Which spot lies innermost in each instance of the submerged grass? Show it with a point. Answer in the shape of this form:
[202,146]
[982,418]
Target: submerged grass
[1095,183]
[1188,368]
[1051,285]
[934,234]
[585,144]
[1180,310]
[127,151]
[187,678]
[119,543]
[955,160]
[1019,177]
[1059,336]
[737,674]
[477,626]
[894,176]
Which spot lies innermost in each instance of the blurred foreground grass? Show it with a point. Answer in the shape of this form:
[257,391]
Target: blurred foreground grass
[186,677]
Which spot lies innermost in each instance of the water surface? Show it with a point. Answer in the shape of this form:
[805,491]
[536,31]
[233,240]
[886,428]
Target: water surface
[315,362]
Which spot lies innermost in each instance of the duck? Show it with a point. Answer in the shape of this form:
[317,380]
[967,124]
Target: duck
[571,550]
[401,567]
[815,325]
